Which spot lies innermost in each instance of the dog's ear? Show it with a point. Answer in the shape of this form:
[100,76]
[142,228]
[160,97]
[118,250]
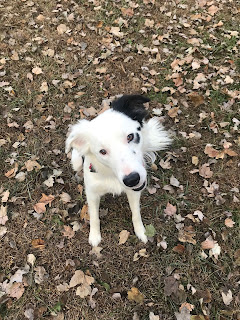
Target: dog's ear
[77,138]
[132,106]
[155,137]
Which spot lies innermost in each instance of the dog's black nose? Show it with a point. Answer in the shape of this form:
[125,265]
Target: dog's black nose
[132,179]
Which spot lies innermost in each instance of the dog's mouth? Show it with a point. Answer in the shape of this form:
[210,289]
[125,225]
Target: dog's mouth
[140,188]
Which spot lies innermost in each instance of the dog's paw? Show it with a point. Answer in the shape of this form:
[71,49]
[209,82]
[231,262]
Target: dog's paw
[141,235]
[94,239]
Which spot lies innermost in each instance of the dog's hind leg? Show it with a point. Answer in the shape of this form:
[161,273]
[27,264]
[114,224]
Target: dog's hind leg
[134,202]
[93,208]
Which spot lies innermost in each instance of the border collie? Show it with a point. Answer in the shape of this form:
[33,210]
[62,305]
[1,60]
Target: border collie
[114,149]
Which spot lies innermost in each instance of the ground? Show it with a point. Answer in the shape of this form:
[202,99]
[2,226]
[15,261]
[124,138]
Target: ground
[61,61]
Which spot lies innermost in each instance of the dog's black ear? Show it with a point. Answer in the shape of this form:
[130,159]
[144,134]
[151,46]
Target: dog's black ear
[132,106]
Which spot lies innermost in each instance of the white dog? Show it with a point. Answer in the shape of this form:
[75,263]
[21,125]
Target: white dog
[115,147]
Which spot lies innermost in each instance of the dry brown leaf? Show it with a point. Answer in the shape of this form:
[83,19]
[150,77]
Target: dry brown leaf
[31,164]
[179,248]
[135,295]
[84,215]
[61,28]
[5,196]
[3,215]
[170,210]
[212,10]
[68,232]
[40,207]
[123,236]
[205,172]
[195,160]
[127,12]
[37,70]
[229,223]
[11,173]
[47,199]
[208,243]
[16,290]
[38,244]
[65,197]
[173,112]
[196,99]
[187,234]
[83,290]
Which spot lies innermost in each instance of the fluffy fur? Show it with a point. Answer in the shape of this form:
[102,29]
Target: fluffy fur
[116,146]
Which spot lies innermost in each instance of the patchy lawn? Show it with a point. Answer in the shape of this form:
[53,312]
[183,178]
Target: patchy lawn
[61,61]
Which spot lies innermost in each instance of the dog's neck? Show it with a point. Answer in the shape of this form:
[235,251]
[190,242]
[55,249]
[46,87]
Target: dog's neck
[94,166]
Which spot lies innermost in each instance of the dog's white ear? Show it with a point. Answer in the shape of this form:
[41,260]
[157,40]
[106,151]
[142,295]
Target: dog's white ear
[77,138]
[155,138]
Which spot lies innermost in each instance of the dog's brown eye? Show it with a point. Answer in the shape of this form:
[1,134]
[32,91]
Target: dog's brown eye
[103,152]
[130,137]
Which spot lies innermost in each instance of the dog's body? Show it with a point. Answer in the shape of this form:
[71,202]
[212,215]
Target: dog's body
[115,146]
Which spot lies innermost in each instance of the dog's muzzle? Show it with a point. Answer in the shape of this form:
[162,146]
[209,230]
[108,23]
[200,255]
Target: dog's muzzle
[140,188]
[132,179]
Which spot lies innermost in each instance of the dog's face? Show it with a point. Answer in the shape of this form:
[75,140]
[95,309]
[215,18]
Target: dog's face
[116,141]
[119,138]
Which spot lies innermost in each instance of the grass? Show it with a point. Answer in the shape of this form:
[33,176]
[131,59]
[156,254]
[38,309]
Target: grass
[116,271]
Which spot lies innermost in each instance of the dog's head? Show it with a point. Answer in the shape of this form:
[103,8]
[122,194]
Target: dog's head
[120,138]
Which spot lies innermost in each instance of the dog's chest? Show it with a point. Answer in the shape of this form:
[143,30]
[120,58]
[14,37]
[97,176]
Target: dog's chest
[102,184]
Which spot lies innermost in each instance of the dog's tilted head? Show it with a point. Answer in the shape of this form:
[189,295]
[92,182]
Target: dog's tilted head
[119,139]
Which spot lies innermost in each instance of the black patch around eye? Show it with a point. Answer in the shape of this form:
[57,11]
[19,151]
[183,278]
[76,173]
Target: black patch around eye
[137,139]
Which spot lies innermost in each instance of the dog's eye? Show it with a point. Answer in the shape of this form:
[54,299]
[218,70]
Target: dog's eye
[130,137]
[103,152]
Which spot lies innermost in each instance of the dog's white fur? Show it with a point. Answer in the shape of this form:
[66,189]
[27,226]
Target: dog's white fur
[109,131]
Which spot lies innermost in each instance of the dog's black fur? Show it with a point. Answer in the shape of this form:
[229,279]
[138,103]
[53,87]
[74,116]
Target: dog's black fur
[132,106]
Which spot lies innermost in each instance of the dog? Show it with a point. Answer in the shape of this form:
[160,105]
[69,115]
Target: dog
[114,149]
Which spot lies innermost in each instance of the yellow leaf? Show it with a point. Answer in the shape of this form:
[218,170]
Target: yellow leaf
[135,295]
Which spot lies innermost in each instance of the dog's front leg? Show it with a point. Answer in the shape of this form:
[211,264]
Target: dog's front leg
[134,202]
[93,208]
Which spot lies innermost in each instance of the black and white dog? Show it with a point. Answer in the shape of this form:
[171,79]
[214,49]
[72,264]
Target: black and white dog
[116,146]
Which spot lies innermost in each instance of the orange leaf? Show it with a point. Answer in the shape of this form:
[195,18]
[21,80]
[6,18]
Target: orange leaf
[135,295]
[40,207]
[84,213]
[38,244]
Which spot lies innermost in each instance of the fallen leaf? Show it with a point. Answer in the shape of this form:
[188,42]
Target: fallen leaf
[77,278]
[16,290]
[170,286]
[179,248]
[63,287]
[123,236]
[229,223]
[62,28]
[135,295]
[40,207]
[3,215]
[116,32]
[127,12]
[196,99]
[38,244]
[150,231]
[205,172]
[227,297]
[212,10]
[170,210]
[84,215]
[65,197]
[31,164]
[152,316]
[174,182]
[29,314]
[83,290]
[5,196]
[183,315]
[195,160]
[68,232]
[31,259]
[187,234]
[173,112]
[20,177]
[40,274]
[37,70]
[215,251]
[47,199]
